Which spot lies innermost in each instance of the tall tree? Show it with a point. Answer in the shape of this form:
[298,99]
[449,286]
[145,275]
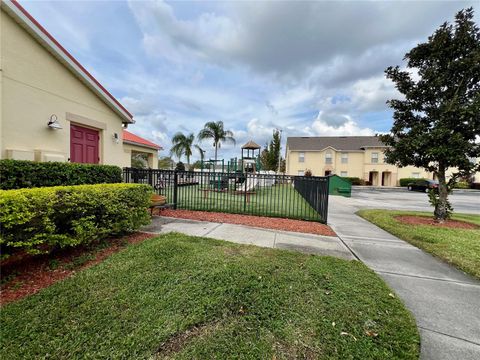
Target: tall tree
[165,162]
[182,145]
[139,160]
[437,124]
[216,132]
[271,154]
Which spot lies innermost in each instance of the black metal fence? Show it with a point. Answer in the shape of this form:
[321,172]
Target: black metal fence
[294,197]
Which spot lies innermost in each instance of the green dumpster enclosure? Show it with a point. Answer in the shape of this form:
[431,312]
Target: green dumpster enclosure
[339,186]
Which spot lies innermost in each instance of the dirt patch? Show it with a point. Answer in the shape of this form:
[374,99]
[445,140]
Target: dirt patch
[250,220]
[178,341]
[424,220]
[24,275]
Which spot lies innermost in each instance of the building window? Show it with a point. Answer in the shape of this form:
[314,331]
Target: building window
[343,173]
[328,157]
[416,175]
[374,158]
[301,157]
[344,158]
[301,172]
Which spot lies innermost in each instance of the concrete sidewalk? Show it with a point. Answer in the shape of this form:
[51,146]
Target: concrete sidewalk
[444,301]
[307,243]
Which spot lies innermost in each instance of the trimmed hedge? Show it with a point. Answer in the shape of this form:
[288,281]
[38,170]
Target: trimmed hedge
[354,180]
[406,181]
[18,174]
[42,219]
[461,185]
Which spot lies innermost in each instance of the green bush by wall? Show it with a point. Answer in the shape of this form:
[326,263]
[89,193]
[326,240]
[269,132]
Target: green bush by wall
[354,180]
[18,174]
[406,181]
[461,185]
[41,219]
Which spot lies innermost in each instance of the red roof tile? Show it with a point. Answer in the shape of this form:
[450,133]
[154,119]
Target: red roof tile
[135,139]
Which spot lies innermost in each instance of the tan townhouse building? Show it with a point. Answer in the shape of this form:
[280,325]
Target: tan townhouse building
[347,156]
[51,107]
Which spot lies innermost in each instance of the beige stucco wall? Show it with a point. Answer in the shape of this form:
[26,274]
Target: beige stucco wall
[359,165]
[127,155]
[358,162]
[34,85]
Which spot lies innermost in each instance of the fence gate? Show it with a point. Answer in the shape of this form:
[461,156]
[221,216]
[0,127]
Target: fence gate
[285,196]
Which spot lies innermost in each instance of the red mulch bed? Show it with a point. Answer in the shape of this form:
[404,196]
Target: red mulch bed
[423,220]
[258,221]
[25,275]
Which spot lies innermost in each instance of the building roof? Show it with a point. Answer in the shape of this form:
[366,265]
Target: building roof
[251,145]
[33,27]
[342,143]
[133,139]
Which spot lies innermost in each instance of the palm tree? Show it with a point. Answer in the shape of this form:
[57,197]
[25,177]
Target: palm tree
[182,145]
[200,151]
[216,132]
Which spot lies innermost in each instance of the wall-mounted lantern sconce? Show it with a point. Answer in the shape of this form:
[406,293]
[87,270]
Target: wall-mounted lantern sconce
[116,138]
[53,123]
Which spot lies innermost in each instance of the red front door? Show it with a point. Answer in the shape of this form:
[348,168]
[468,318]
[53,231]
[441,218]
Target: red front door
[83,145]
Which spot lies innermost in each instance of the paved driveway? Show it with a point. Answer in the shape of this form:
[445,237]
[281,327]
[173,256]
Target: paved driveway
[444,301]
[400,199]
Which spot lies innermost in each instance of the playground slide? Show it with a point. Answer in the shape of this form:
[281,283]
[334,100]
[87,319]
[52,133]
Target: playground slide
[251,183]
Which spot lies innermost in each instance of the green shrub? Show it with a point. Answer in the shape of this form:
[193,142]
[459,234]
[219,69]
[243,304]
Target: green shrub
[354,180]
[42,219]
[461,185]
[18,174]
[406,181]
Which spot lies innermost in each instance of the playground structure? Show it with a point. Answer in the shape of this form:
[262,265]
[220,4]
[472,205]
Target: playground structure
[239,186]
[237,175]
[249,162]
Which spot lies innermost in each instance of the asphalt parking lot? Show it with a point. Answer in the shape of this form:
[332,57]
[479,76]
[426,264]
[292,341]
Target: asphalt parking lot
[402,199]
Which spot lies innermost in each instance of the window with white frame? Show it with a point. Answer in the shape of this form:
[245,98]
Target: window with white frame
[416,175]
[301,157]
[301,172]
[344,158]
[343,173]
[328,157]
[374,157]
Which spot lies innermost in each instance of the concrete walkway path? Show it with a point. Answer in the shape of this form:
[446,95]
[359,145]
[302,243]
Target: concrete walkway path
[308,243]
[444,301]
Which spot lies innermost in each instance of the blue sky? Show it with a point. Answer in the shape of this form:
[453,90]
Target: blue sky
[308,68]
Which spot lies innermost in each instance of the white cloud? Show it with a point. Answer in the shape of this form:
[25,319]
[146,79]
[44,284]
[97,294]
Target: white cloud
[349,128]
[371,94]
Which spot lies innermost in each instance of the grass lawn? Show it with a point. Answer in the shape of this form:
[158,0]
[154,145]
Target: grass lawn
[184,297]
[460,247]
[276,201]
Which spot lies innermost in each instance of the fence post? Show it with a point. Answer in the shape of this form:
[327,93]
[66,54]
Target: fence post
[327,194]
[175,189]
[135,175]
[245,193]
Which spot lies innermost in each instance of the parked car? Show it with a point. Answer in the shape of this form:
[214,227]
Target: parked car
[422,185]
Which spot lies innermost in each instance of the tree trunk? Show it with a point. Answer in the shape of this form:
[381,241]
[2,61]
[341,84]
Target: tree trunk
[441,209]
[216,150]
